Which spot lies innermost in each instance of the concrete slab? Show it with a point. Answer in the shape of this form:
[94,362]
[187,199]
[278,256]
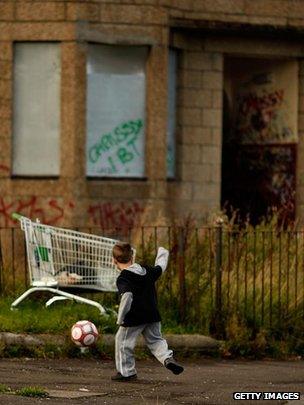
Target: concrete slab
[68,394]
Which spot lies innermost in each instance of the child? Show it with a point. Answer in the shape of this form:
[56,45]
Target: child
[138,312]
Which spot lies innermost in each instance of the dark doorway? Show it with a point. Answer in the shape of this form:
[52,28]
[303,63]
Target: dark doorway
[259,138]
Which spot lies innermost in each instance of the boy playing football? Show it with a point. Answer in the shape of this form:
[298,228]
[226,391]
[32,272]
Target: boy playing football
[138,312]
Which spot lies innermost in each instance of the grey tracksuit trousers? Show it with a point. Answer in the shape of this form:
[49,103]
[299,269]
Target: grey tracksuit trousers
[125,342]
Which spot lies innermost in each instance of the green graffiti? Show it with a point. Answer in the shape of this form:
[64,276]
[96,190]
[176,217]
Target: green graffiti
[126,132]
[124,155]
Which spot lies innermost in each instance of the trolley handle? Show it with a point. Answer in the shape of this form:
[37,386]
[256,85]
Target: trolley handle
[16,216]
[19,217]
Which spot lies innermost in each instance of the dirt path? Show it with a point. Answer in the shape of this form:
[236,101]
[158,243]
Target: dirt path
[205,381]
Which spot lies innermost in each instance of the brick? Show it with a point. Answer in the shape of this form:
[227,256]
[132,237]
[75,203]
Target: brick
[6,11]
[83,11]
[217,98]
[5,69]
[295,22]
[189,116]
[5,110]
[158,189]
[220,17]
[173,13]
[190,79]
[5,127]
[122,33]
[194,172]
[5,171]
[195,98]
[216,136]
[140,2]
[199,61]
[212,118]
[113,189]
[210,154]
[220,6]
[218,62]
[57,31]
[130,14]
[6,51]
[254,46]
[215,173]
[177,4]
[212,80]
[5,89]
[273,8]
[196,135]
[39,11]
[182,41]
[5,144]
[276,21]
[190,153]
[179,190]
[206,191]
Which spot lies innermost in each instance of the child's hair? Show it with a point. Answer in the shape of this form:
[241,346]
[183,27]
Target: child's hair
[122,252]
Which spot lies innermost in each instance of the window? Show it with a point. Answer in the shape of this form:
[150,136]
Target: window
[116,104]
[36,116]
[171,147]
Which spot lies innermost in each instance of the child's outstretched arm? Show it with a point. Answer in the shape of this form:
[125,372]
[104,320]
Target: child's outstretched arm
[124,307]
[162,258]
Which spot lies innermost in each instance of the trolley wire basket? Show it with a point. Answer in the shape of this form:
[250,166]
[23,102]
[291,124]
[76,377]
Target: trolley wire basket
[66,262]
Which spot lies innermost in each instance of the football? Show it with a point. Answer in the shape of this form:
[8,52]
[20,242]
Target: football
[84,333]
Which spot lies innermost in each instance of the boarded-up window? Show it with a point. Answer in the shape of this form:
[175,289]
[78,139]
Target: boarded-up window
[171,113]
[116,104]
[36,117]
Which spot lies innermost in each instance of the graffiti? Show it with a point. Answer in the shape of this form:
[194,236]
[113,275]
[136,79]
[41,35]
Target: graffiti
[265,102]
[110,215]
[4,168]
[261,118]
[50,214]
[116,149]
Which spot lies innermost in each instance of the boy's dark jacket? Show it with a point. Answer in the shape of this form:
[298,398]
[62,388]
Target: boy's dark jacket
[142,286]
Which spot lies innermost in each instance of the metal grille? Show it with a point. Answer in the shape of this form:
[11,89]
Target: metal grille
[67,258]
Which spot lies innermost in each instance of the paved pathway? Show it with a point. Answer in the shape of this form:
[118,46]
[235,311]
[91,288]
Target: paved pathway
[205,381]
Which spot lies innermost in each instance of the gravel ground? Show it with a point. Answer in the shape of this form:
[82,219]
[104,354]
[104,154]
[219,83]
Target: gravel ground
[204,381]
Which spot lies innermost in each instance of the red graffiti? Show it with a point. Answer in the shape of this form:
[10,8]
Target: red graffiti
[110,215]
[4,168]
[252,102]
[51,213]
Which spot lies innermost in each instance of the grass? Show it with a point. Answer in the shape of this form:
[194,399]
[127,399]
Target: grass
[29,391]
[32,316]
[4,389]
[34,392]
[262,289]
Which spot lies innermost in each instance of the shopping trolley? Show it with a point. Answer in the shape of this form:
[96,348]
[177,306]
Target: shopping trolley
[62,260]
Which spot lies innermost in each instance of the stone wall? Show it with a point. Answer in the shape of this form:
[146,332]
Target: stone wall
[73,200]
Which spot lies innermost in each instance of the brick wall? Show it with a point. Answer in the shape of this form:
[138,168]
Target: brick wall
[200,121]
[71,199]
